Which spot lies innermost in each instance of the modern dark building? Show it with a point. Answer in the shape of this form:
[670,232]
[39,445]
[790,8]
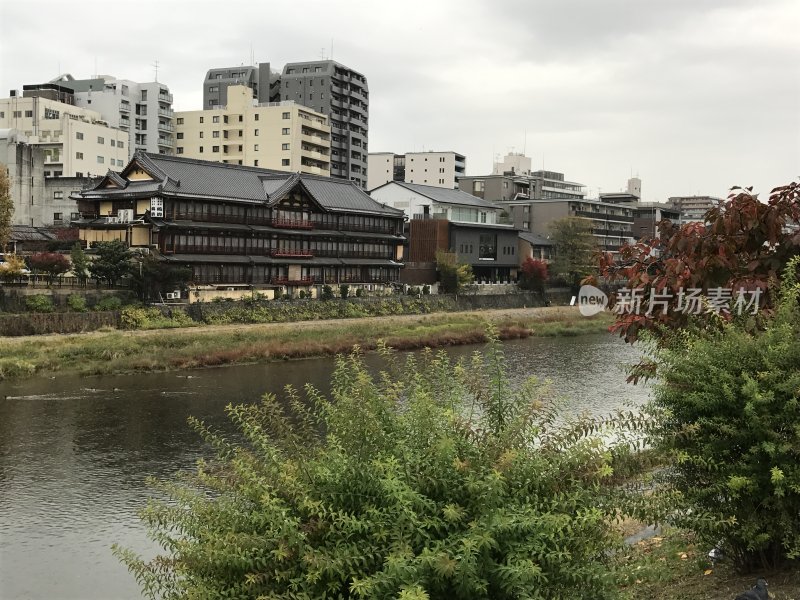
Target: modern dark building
[243,226]
[325,86]
[264,82]
[537,185]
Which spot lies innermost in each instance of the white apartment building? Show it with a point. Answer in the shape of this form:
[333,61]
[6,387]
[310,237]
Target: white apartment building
[425,202]
[76,142]
[513,162]
[144,110]
[280,135]
[438,169]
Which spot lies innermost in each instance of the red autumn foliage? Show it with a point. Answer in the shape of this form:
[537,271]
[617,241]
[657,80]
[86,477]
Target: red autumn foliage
[51,263]
[744,244]
[534,274]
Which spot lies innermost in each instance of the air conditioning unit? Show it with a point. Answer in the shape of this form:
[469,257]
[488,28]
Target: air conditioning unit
[112,219]
[125,215]
[171,296]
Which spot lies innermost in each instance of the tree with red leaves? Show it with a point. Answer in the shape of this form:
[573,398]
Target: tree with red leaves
[534,275]
[52,264]
[743,246]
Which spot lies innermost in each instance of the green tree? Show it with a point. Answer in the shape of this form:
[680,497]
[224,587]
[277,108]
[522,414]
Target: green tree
[152,278]
[575,248]
[453,276]
[112,263]
[6,208]
[52,264]
[435,480]
[727,418]
[80,263]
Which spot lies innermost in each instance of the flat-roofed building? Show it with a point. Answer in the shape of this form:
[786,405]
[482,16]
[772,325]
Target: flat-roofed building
[693,208]
[438,169]
[283,135]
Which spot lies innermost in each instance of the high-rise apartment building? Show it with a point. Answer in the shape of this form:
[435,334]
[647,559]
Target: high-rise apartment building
[279,135]
[76,142]
[439,169]
[217,82]
[325,86]
[143,110]
[693,208]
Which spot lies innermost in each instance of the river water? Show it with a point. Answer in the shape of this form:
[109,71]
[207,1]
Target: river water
[74,452]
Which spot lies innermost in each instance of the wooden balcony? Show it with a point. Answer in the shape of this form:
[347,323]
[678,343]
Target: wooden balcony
[290,253]
[292,223]
[287,281]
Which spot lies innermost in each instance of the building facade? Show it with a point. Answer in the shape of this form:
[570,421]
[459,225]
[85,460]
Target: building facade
[76,142]
[514,163]
[539,185]
[431,202]
[611,224]
[143,110]
[693,208]
[242,226]
[283,135]
[261,79]
[438,169]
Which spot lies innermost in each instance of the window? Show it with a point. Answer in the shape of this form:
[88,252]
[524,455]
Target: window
[225,119]
[285,131]
[144,95]
[113,143]
[213,88]
[29,113]
[58,216]
[215,119]
[179,135]
[284,146]
[487,249]
[483,217]
[255,163]
[201,149]
[101,140]
[201,119]
[180,120]
[179,150]
[2,114]
[255,132]
[17,114]
[286,115]
[100,160]
[241,118]
[526,224]
[285,162]
[256,116]
[215,134]
[255,147]
[120,144]
[201,134]
[215,148]
[78,135]
[58,195]
[79,155]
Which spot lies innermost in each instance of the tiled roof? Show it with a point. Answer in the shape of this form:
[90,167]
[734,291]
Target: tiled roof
[445,195]
[26,233]
[207,179]
[535,239]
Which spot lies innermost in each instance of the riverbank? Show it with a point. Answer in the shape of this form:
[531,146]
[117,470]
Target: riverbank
[117,352]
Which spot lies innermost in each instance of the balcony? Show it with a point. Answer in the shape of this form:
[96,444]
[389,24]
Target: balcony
[165,98]
[601,216]
[290,253]
[162,141]
[292,223]
[316,140]
[125,107]
[165,127]
[207,249]
[166,112]
[287,281]
[311,170]
[366,228]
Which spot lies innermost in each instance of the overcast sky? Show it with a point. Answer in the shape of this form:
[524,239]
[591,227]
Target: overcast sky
[694,96]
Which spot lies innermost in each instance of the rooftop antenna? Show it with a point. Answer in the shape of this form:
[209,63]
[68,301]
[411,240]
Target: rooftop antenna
[322,53]
[155,68]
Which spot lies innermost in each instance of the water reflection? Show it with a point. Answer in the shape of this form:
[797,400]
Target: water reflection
[74,452]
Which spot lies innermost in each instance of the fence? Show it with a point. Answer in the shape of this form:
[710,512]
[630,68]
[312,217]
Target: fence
[64,322]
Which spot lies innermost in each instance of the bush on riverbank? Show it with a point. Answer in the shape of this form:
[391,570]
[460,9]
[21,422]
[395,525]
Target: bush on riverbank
[133,317]
[432,480]
[727,414]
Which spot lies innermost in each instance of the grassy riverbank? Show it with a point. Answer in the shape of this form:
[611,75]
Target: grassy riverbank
[109,352]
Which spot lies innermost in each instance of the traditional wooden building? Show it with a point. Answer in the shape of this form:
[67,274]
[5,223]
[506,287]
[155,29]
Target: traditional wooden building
[245,226]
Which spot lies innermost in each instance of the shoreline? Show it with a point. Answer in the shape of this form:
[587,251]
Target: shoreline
[159,350]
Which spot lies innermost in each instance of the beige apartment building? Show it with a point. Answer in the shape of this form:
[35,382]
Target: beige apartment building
[277,135]
[439,169]
[76,142]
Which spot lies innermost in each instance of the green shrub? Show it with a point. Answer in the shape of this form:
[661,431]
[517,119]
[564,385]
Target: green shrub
[133,317]
[39,304]
[76,303]
[108,303]
[439,481]
[426,290]
[727,414]
[327,292]
[344,290]
[301,294]
[359,292]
